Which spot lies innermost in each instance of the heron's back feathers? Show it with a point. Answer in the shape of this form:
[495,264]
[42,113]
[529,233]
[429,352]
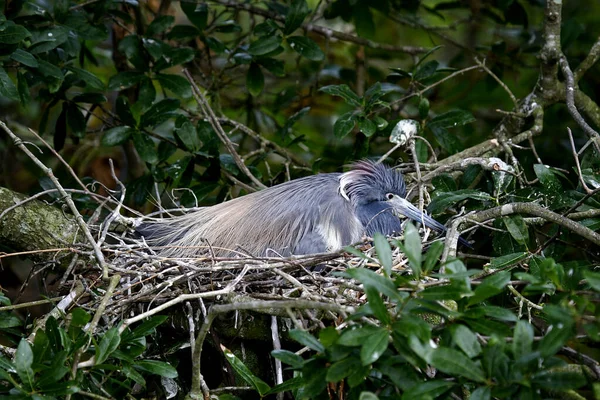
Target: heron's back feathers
[296,217]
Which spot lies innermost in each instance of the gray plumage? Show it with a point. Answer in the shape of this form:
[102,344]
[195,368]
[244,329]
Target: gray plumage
[315,214]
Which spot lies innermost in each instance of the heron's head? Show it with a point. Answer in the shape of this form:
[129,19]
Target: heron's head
[370,183]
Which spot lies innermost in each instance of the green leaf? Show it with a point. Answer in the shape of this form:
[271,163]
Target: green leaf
[344,92]
[306,47]
[13,34]
[456,363]
[432,256]
[197,13]
[517,228]
[157,368]
[160,24]
[183,32]
[255,80]
[413,248]
[109,343]
[91,80]
[452,119]
[423,108]
[384,252]
[342,369]
[499,313]
[125,80]
[186,132]
[427,390]
[367,127]
[426,70]
[159,112]
[23,88]
[24,58]
[547,178]
[555,338]
[50,70]
[354,337]
[444,200]
[289,385]
[522,339]
[124,111]
[7,87]
[288,357]
[264,45]
[306,339]
[132,374]
[374,280]
[344,125]
[76,120]
[145,147]
[376,305]
[560,379]
[368,396]
[373,348]
[507,260]
[258,384]
[490,286]
[176,84]
[297,11]
[426,55]
[481,393]
[9,321]
[276,67]
[593,279]
[23,361]
[466,340]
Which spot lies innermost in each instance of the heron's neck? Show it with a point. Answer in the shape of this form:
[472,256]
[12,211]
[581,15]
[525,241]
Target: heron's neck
[377,217]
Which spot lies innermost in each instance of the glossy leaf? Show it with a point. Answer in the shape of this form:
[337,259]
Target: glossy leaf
[7,87]
[255,80]
[297,11]
[306,339]
[288,357]
[197,13]
[413,248]
[176,84]
[109,343]
[454,362]
[258,384]
[452,119]
[517,228]
[125,80]
[344,125]
[159,112]
[264,45]
[13,34]
[490,286]
[344,92]
[145,147]
[341,369]
[306,47]
[384,252]
[157,368]
[444,200]
[466,340]
[24,58]
[373,348]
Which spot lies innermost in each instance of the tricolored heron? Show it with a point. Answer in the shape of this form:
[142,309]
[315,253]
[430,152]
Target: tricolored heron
[315,214]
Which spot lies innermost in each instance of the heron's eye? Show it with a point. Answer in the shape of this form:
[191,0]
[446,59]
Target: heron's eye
[389,196]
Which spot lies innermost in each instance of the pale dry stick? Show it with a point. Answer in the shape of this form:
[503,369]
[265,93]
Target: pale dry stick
[588,62]
[390,151]
[495,77]
[48,171]
[214,121]
[576,157]
[413,151]
[30,304]
[62,160]
[59,310]
[197,390]
[523,298]
[117,210]
[182,298]
[420,92]
[570,99]
[509,209]
[277,346]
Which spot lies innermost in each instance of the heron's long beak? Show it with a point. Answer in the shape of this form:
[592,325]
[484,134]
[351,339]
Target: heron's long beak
[404,207]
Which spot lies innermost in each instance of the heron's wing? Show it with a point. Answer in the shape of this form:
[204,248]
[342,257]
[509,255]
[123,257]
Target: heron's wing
[305,215]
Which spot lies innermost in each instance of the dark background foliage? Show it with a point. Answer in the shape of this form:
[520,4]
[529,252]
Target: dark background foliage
[301,87]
